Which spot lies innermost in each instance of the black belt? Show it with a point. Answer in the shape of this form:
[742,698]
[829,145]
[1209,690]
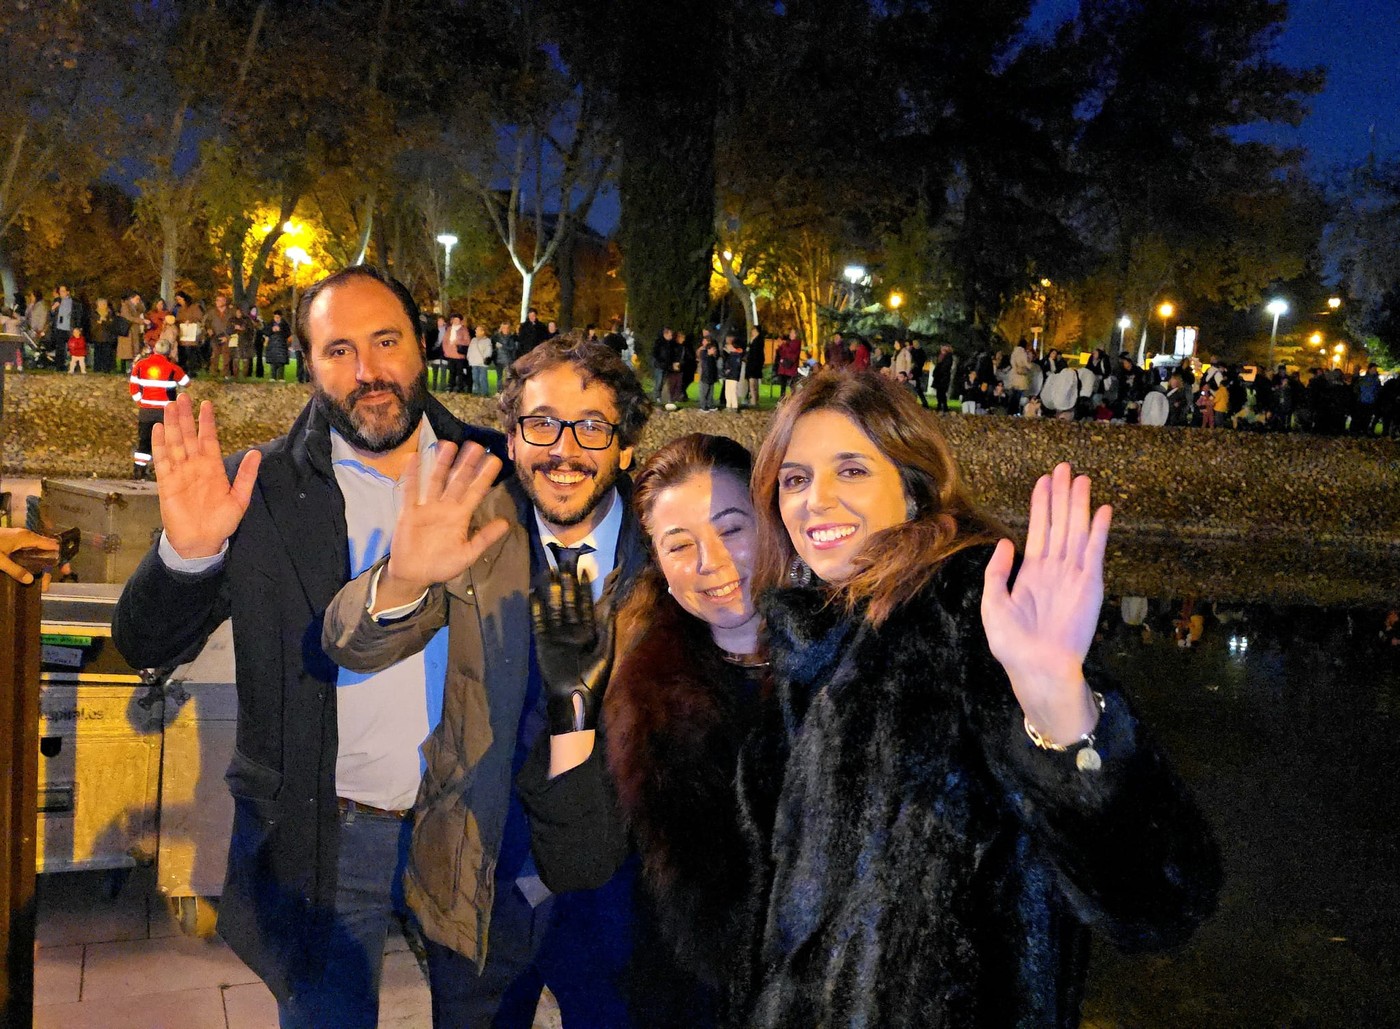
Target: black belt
[347,807]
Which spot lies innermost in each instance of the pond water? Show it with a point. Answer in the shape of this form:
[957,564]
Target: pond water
[1285,721]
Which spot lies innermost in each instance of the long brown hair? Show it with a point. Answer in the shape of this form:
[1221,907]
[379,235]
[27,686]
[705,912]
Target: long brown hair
[898,562]
[673,464]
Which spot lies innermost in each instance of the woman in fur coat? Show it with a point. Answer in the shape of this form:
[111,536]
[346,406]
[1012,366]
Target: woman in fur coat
[941,799]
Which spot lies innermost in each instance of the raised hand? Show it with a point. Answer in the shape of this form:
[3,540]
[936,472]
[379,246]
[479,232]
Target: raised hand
[1040,628]
[574,652]
[199,508]
[433,541]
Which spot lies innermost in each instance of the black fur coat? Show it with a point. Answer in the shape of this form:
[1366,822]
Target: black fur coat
[892,850]
[923,864]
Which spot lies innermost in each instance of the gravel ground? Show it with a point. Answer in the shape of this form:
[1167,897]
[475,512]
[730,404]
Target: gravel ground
[1228,514]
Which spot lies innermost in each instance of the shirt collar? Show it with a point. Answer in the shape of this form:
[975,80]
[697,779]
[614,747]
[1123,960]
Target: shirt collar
[603,538]
[342,453]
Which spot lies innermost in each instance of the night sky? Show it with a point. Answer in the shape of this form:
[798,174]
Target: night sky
[1358,43]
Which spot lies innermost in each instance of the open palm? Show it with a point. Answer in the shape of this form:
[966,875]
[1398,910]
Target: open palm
[433,541]
[199,507]
[1041,626]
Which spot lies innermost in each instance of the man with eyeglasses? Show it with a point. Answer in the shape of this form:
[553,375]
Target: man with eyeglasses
[573,413]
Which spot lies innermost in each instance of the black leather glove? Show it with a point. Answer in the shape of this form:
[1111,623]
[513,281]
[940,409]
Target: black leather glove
[573,650]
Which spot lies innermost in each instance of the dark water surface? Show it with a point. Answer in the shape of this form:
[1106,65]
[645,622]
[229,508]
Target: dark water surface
[1285,721]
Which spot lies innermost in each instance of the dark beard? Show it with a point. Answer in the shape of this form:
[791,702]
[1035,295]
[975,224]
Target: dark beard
[564,519]
[341,415]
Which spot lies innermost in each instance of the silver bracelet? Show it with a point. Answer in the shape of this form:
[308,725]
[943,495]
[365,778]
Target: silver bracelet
[1087,759]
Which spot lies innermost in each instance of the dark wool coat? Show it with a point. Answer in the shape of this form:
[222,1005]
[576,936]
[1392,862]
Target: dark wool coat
[925,864]
[284,565]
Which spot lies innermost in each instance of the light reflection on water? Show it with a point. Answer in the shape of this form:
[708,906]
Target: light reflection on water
[1285,722]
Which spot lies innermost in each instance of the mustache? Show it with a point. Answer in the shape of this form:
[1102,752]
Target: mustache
[377,386]
[557,464]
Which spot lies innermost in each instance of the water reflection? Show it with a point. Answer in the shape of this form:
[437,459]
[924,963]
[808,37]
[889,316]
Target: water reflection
[1260,568]
[1285,720]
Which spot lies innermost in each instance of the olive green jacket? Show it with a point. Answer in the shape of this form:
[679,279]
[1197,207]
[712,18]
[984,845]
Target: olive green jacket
[462,803]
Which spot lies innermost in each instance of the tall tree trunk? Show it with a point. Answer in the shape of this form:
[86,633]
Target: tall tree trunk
[527,285]
[666,181]
[9,289]
[565,269]
[359,256]
[747,300]
[381,247]
[170,229]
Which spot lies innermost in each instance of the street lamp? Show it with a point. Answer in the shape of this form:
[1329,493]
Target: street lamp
[1166,310]
[1123,325]
[896,300]
[298,256]
[1315,339]
[448,241]
[1334,302]
[1277,307]
[855,275]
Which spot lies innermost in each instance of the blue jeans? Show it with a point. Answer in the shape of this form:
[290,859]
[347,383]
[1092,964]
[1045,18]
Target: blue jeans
[369,890]
[481,385]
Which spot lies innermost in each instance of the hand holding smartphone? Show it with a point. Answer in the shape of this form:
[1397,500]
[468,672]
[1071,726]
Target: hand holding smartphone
[25,554]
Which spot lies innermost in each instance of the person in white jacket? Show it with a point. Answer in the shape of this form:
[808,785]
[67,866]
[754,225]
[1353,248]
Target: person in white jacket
[479,354]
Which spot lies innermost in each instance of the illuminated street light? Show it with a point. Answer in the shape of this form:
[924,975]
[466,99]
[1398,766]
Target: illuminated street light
[729,255]
[1334,302]
[896,300]
[1123,324]
[1166,310]
[854,273]
[298,256]
[1277,307]
[448,241]
[1315,339]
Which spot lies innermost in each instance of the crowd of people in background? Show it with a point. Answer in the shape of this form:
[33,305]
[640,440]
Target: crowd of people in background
[223,340]
[1182,393]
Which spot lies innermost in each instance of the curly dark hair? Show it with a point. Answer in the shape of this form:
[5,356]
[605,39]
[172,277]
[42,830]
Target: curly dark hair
[595,362]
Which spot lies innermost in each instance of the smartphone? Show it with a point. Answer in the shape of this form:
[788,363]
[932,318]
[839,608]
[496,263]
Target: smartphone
[39,561]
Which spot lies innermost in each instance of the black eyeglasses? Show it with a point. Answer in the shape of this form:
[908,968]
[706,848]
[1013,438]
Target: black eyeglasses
[542,430]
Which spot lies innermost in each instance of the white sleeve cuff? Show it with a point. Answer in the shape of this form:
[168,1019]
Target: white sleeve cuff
[393,613]
[189,566]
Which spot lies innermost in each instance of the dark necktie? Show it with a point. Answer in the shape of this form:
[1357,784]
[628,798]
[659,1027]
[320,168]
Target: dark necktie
[567,557]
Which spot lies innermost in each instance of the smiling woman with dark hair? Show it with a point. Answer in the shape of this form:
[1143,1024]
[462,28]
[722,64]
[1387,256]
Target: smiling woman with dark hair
[960,798]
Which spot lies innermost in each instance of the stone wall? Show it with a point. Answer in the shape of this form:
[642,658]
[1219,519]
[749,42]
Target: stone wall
[1191,479]
[1292,504]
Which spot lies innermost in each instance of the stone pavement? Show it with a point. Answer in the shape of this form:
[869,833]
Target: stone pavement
[120,961]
